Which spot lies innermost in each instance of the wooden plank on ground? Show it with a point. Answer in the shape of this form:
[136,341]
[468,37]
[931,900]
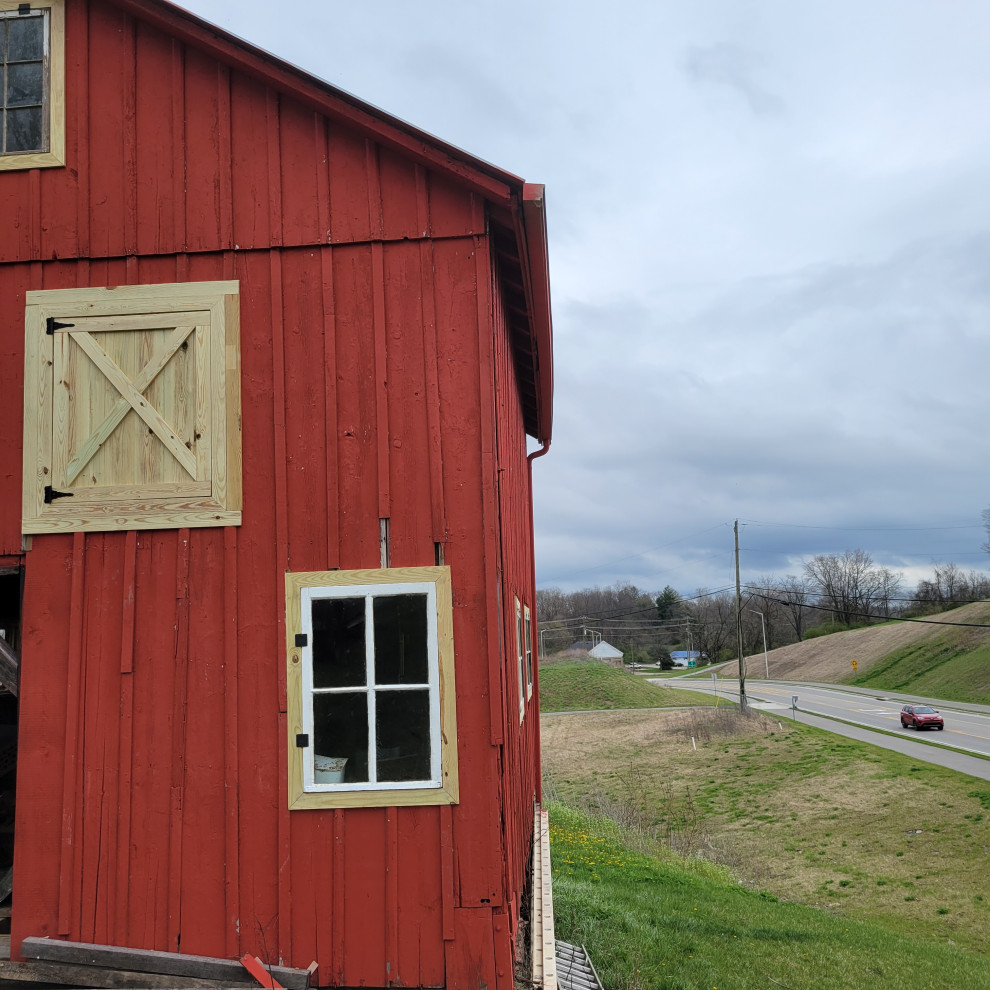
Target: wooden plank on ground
[64,974]
[149,961]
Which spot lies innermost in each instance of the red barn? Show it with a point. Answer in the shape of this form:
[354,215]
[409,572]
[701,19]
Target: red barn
[268,363]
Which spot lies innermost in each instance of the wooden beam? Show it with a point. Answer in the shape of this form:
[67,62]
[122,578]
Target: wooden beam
[110,957]
[10,667]
[63,974]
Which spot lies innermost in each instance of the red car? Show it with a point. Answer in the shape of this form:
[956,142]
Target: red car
[921,717]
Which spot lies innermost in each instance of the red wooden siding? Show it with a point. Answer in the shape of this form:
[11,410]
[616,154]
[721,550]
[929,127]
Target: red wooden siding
[377,381]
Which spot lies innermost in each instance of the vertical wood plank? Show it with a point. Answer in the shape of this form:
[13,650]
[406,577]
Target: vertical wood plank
[251,182]
[381,378]
[356,409]
[180,688]
[273,147]
[158,154]
[393,970]
[129,618]
[46,671]
[77,125]
[67,903]
[283,564]
[431,356]
[331,442]
[231,763]
[489,496]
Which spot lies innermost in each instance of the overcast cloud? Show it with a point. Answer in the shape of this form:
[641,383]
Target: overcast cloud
[770,260]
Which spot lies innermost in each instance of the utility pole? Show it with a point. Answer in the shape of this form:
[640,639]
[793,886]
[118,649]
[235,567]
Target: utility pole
[743,700]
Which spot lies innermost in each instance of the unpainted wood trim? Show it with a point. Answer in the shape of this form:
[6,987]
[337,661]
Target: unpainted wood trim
[206,312]
[449,791]
[55,156]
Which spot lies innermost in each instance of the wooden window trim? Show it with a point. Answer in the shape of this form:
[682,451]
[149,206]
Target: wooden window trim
[385,795]
[528,634]
[520,660]
[215,500]
[54,157]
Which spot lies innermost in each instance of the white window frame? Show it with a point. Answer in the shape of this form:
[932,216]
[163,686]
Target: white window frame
[528,635]
[520,660]
[53,155]
[302,589]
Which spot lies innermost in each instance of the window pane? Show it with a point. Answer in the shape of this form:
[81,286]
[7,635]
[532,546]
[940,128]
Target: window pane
[338,643]
[400,640]
[24,84]
[403,726]
[26,39]
[24,130]
[340,730]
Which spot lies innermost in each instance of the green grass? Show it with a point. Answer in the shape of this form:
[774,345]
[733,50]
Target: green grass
[589,685]
[949,667]
[813,818]
[659,922]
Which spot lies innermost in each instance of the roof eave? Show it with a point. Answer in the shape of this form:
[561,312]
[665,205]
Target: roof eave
[533,238]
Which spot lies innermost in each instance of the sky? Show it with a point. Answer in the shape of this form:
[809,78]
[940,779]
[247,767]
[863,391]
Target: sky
[769,230]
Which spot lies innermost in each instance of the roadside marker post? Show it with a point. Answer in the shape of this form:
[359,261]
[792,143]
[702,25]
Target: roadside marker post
[794,698]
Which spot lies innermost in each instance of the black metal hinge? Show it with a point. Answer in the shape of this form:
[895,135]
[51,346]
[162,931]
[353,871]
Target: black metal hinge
[23,8]
[51,494]
[302,639]
[51,325]
[302,740]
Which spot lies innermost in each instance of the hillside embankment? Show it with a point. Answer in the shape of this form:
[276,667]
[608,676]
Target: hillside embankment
[828,658]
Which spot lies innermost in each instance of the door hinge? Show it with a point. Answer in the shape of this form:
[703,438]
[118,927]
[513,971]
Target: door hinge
[51,325]
[51,494]
[302,740]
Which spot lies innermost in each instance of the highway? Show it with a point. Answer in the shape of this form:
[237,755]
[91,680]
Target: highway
[856,713]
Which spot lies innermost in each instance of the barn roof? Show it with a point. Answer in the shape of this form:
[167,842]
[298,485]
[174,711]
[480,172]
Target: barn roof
[516,207]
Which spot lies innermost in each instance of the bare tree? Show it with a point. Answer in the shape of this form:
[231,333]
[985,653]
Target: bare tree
[850,585]
[713,624]
[794,593]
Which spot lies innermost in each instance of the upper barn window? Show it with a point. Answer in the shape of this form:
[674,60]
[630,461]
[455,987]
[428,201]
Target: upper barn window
[132,408]
[371,688]
[32,97]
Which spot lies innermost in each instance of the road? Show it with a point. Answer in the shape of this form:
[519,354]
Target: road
[967,727]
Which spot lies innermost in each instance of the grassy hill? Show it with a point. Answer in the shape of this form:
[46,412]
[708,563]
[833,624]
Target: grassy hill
[590,685]
[712,849]
[928,658]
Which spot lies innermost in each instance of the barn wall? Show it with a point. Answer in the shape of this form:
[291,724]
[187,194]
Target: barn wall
[521,780]
[152,805]
[153,690]
[171,153]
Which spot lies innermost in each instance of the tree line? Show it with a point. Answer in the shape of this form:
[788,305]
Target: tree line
[833,591]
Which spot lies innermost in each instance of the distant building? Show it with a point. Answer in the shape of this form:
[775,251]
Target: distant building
[607,653]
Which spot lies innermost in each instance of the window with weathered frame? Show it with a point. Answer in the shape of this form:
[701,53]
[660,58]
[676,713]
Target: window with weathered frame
[132,408]
[520,660]
[370,682]
[32,84]
[528,633]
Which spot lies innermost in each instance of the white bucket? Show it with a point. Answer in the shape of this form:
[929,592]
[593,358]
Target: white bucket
[329,769]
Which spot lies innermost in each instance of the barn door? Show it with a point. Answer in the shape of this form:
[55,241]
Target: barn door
[132,408]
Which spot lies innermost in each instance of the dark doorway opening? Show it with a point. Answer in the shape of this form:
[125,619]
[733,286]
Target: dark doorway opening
[11,583]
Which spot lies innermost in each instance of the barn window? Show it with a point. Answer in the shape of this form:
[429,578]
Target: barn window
[32,98]
[528,633]
[371,688]
[132,408]
[520,660]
